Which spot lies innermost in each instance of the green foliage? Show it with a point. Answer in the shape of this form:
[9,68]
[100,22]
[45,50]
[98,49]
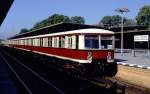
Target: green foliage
[129,22]
[24,30]
[115,20]
[57,18]
[106,20]
[143,17]
[54,19]
[78,20]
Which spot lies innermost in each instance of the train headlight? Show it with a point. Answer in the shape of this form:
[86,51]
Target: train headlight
[89,57]
[109,58]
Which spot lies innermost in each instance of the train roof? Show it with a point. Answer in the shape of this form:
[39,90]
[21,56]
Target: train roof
[127,28]
[56,28]
[79,31]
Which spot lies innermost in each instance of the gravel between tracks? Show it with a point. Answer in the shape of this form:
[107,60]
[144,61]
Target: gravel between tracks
[137,80]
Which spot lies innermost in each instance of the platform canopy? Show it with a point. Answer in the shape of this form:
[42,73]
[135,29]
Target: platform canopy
[60,27]
[4,7]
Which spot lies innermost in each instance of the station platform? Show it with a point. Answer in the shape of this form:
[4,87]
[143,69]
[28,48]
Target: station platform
[7,85]
[139,59]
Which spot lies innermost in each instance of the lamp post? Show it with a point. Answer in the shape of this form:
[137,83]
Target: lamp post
[121,11]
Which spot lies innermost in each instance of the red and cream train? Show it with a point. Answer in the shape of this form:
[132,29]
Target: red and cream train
[86,48]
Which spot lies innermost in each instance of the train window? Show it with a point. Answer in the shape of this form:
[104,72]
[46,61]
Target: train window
[31,42]
[106,42]
[23,42]
[49,42]
[57,45]
[62,44]
[37,42]
[77,39]
[69,42]
[73,42]
[59,42]
[55,42]
[92,42]
[27,41]
[46,42]
[41,42]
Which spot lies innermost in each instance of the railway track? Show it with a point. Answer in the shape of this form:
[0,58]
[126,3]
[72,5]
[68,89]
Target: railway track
[136,80]
[32,82]
[113,86]
[75,84]
[68,84]
[130,87]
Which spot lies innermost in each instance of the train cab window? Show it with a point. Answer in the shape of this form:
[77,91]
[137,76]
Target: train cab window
[106,42]
[91,42]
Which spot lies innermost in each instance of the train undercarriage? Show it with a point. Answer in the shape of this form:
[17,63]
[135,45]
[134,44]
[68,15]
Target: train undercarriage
[93,69]
[97,68]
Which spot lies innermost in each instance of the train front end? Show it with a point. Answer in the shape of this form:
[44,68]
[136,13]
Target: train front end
[99,53]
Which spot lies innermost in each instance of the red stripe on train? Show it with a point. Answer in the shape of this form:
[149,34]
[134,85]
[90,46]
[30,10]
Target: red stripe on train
[70,53]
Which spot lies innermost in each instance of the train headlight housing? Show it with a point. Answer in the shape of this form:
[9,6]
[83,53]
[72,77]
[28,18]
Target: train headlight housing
[109,58]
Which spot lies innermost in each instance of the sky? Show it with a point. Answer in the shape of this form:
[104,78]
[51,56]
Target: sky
[25,13]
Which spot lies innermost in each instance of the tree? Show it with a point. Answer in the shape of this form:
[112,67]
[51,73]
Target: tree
[53,19]
[78,20]
[115,20]
[57,18]
[24,30]
[129,22]
[106,20]
[143,17]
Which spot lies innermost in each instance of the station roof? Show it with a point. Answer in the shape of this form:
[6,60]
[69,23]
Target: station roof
[117,29]
[4,7]
[60,27]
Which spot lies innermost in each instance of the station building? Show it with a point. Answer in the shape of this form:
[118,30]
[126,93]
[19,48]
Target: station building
[128,37]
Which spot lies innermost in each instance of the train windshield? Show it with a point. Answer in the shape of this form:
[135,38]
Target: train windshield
[91,42]
[98,42]
[106,42]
